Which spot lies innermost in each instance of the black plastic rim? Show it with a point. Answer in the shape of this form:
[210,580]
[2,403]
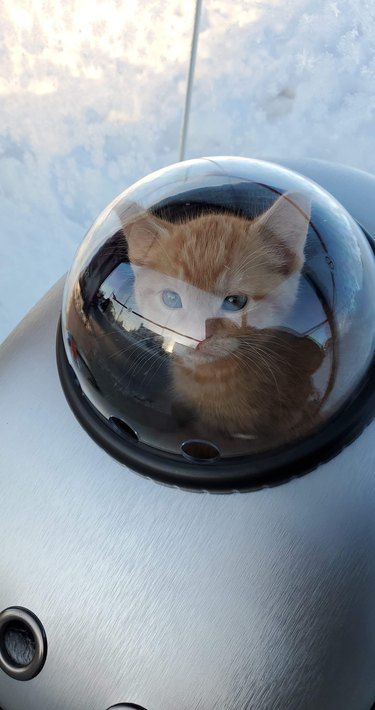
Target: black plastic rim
[228,474]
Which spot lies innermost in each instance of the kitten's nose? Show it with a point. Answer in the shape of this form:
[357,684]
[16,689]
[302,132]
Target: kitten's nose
[201,329]
[212,326]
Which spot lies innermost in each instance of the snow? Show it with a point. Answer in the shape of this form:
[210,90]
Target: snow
[92,99]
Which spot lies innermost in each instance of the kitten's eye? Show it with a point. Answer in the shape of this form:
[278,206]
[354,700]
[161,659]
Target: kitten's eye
[234,303]
[171,299]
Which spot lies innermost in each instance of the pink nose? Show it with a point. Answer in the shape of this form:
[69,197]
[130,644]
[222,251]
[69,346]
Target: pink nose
[202,343]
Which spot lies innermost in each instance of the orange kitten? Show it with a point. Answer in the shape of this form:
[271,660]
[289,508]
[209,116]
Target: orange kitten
[218,287]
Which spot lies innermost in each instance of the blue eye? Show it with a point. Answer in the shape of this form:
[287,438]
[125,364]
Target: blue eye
[234,303]
[171,299]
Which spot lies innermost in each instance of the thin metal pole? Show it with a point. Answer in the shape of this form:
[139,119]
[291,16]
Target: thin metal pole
[189,88]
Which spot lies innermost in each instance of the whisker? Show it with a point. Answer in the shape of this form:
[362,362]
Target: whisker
[140,362]
[130,346]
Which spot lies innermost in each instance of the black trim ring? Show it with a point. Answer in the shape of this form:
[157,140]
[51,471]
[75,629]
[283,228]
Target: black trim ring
[228,474]
[32,625]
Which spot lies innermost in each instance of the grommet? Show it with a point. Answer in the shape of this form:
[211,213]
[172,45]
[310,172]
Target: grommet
[23,643]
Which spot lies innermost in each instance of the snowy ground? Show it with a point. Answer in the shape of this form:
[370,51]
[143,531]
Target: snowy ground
[92,95]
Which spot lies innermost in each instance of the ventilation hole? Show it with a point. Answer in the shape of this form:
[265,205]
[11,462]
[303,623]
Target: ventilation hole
[201,451]
[18,643]
[123,428]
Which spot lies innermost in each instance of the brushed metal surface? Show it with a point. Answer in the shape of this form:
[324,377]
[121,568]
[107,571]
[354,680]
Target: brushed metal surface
[171,599]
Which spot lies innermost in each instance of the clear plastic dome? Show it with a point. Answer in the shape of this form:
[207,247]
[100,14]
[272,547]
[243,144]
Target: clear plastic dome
[220,308]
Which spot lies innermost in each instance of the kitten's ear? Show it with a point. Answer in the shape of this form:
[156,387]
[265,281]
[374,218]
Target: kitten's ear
[286,224]
[141,229]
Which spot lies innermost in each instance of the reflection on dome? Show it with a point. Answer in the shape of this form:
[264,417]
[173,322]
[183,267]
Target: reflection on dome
[220,301]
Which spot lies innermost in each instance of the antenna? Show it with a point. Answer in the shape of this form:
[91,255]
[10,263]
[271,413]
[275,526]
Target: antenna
[189,88]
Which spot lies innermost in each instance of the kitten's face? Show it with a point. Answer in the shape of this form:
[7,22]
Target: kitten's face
[210,282]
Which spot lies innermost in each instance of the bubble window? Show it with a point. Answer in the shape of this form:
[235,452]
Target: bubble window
[218,324]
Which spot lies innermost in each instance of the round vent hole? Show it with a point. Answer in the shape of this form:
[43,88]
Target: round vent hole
[19,643]
[124,428]
[200,451]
